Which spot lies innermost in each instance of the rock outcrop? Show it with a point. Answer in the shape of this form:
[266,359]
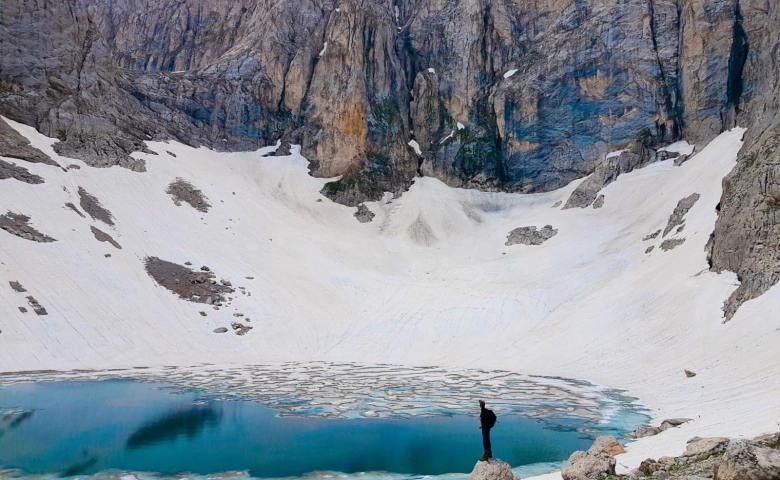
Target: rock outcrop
[501,95]
[492,469]
[649,431]
[509,95]
[530,235]
[718,458]
[597,462]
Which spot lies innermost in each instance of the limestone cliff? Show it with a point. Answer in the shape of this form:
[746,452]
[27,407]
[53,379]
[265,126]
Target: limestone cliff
[510,95]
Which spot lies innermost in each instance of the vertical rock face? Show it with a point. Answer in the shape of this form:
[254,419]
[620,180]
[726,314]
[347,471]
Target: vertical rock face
[748,227]
[511,95]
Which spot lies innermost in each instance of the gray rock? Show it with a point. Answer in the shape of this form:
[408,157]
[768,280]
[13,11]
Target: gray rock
[597,462]
[748,226]
[700,448]
[102,236]
[14,145]
[599,202]
[36,306]
[10,170]
[90,204]
[183,191]
[587,466]
[771,440]
[493,469]
[649,249]
[607,172]
[530,235]
[651,236]
[221,330]
[73,207]
[110,78]
[645,431]
[17,287]
[240,328]
[18,224]
[746,461]
[671,243]
[677,218]
[363,214]
[189,285]
[607,445]
[649,466]
[674,422]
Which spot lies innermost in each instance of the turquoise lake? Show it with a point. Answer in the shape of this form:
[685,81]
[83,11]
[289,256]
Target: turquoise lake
[82,427]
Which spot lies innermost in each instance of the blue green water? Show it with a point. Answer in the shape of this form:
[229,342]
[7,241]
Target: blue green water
[77,428]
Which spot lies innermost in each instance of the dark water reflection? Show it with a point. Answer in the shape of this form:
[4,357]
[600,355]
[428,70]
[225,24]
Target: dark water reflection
[189,423]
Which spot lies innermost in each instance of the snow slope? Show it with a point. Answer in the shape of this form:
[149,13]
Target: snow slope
[428,282]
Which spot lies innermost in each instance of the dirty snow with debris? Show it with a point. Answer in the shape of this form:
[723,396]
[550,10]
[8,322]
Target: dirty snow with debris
[428,282]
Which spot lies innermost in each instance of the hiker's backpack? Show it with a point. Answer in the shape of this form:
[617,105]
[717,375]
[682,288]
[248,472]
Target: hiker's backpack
[489,418]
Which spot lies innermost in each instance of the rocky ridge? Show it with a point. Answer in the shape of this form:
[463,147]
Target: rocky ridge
[508,95]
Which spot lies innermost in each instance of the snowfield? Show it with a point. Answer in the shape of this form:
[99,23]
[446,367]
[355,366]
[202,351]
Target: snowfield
[428,282]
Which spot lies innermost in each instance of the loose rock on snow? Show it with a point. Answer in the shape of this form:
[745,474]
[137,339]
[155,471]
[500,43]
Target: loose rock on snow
[677,217]
[530,235]
[183,191]
[363,214]
[17,224]
[90,204]
[102,236]
[10,170]
[37,307]
[188,284]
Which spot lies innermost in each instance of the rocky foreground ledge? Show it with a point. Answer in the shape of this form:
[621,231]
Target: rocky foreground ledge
[718,458]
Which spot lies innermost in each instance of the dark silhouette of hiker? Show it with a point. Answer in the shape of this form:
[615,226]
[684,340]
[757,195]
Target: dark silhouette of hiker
[487,420]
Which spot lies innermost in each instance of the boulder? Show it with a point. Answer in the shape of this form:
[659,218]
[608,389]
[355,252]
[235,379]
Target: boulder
[673,422]
[650,466]
[744,460]
[607,445]
[645,431]
[595,463]
[492,469]
[771,440]
[704,447]
[587,466]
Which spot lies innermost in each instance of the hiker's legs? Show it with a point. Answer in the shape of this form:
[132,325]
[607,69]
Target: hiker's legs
[486,444]
[486,439]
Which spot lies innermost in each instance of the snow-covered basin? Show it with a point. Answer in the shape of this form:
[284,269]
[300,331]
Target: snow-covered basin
[428,283]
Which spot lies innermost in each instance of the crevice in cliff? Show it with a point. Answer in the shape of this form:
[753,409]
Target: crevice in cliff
[739,52]
[670,86]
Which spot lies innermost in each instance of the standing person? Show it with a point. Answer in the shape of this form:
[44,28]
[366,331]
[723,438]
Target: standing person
[487,420]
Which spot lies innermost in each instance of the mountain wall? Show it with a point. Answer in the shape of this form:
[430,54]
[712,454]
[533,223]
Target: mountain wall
[501,95]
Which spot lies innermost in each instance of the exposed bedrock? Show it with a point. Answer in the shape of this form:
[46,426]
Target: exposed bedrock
[746,234]
[509,95]
[354,81]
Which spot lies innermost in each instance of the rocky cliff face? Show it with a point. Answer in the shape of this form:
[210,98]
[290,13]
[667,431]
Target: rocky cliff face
[510,95]
[747,234]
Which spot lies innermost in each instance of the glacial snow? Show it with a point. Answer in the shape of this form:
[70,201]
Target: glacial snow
[428,282]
